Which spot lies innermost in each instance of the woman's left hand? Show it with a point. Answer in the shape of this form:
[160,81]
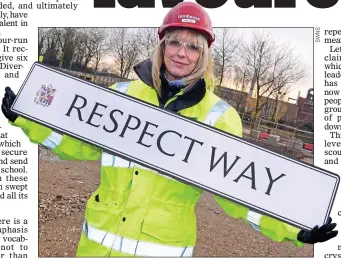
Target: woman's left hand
[318,234]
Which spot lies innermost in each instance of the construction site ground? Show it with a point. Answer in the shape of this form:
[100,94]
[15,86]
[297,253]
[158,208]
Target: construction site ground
[64,187]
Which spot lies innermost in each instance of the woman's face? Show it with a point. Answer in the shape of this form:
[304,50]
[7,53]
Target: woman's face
[180,60]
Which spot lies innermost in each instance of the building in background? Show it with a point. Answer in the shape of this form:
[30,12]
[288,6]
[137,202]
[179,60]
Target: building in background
[305,113]
[298,113]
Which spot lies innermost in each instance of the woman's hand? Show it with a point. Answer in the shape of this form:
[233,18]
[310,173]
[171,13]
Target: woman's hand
[318,234]
[7,102]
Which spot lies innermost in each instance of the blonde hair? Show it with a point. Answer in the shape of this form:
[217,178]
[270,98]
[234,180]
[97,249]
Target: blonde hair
[203,67]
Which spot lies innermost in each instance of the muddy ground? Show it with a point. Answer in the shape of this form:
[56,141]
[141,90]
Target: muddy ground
[64,187]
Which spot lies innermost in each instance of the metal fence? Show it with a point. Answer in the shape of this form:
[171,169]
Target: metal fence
[99,79]
[275,128]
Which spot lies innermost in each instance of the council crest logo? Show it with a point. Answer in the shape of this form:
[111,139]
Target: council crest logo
[44,95]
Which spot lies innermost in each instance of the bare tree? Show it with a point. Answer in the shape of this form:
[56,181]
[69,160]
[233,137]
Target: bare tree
[48,46]
[278,109]
[80,56]
[290,70]
[100,45]
[65,38]
[147,38]
[105,67]
[271,68]
[88,48]
[224,52]
[43,34]
[258,57]
[241,84]
[124,48]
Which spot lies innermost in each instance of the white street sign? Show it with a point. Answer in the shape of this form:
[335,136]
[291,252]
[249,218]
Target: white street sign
[192,152]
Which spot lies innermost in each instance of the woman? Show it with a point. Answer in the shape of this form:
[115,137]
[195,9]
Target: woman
[136,211]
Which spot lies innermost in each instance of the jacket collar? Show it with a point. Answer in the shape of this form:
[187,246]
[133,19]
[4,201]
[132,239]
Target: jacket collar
[188,99]
[144,72]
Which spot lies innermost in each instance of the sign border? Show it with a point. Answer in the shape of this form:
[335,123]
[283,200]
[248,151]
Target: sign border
[169,173]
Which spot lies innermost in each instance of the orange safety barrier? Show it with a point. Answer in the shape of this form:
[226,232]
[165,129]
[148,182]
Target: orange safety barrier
[308,146]
[263,136]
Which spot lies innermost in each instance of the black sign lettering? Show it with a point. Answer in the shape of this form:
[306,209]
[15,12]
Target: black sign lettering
[226,171]
[77,108]
[94,113]
[272,180]
[159,141]
[253,176]
[190,147]
[127,125]
[144,132]
[113,120]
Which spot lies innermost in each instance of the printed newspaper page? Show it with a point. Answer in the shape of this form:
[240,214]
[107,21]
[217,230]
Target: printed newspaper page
[77,175]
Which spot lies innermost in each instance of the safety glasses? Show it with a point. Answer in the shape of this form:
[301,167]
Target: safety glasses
[191,47]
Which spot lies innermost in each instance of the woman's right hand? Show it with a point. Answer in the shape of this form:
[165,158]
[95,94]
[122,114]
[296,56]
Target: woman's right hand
[7,102]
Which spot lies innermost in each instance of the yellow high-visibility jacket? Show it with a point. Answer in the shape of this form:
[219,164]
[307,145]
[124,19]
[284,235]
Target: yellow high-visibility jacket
[137,211]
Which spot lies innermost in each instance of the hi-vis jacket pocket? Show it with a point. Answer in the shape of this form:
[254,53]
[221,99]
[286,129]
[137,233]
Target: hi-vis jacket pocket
[101,215]
[163,230]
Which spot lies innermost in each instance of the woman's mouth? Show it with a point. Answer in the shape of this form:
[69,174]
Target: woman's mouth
[178,63]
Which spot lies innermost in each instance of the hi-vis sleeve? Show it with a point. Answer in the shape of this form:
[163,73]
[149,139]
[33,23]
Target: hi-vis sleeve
[274,229]
[64,146]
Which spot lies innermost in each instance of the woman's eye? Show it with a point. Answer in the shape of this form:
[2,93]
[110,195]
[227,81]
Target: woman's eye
[175,43]
[193,47]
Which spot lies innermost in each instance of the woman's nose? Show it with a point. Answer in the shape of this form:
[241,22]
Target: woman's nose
[182,51]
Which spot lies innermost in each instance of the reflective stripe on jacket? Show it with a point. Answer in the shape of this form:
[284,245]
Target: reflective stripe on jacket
[137,211]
